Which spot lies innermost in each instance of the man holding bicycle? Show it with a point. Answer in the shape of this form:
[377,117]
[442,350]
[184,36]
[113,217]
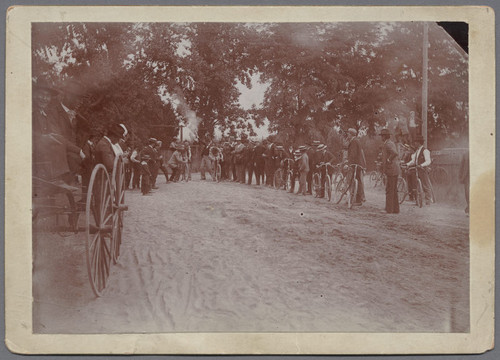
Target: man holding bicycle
[355,156]
[421,159]
[324,157]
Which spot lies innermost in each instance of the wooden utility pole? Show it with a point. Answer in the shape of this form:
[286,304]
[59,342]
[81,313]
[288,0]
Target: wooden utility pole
[425,81]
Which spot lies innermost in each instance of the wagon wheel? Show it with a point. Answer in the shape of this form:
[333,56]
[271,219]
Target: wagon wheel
[99,225]
[118,185]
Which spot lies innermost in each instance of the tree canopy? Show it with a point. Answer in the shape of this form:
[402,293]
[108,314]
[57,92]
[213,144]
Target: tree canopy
[319,76]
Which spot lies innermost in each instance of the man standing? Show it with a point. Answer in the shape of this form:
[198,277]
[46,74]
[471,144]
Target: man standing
[251,161]
[355,156]
[189,156]
[311,155]
[324,156]
[303,170]
[422,160]
[206,164]
[239,159]
[390,166]
[106,148]
[259,162]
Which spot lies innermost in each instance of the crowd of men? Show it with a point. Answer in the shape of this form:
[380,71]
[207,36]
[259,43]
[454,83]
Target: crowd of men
[58,159]
[243,160]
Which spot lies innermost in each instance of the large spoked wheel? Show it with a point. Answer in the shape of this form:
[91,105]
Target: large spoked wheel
[340,188]
[99,228]
[118,185]
[278,179]
[316,185]
[353,192]
[420,194]
[328,187]
[402,190]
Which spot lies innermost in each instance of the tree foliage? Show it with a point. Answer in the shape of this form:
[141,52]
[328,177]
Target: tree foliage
[320,76]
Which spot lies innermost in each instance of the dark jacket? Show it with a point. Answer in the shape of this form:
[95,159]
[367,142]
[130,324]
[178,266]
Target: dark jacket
[390,159]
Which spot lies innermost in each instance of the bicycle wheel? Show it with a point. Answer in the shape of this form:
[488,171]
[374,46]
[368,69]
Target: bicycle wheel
[439,176]
[316,185]
[340,189]
[420,194]
[278,179]
[351,198]
[402,190]
[328,188]
[373,177]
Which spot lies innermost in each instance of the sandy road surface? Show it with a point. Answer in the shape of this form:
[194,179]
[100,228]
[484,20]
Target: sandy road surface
[202,256]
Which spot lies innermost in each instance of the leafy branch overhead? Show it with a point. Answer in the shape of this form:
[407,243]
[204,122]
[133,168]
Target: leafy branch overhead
[317,76]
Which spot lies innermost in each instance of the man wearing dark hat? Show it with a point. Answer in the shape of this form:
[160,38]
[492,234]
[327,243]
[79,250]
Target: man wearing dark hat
[268,162]
[390,166]
[105,150]
[422,159]
[259,162]
[355,156]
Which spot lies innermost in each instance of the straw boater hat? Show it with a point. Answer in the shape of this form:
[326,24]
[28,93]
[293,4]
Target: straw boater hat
[125,131]
[302,148]
[152,140]
[179,147]
[321,147]
[296,153]
[279,147]
[352,131]
[316,143]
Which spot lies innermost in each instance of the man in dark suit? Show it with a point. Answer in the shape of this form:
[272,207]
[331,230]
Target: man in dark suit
[105,150]
[390,166]
[259,162]
[311,155]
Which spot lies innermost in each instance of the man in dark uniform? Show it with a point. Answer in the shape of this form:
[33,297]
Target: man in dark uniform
[105,150]
[269,162]
[250,161]
[326,157]
[239,159]
[259,162]
[390,166]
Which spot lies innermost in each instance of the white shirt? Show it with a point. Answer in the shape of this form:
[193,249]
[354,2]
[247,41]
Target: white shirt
[116,148]
[416,154]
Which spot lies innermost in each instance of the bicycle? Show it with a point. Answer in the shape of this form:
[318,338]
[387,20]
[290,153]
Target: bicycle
[348,184]
[419,190]
[439,175]
[217,170]
[283,178]
[327,182]
[377,176]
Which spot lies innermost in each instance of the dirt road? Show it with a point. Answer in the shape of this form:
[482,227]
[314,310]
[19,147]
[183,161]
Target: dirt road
[205,257]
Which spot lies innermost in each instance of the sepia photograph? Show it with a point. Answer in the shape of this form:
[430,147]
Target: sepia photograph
[249,177]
